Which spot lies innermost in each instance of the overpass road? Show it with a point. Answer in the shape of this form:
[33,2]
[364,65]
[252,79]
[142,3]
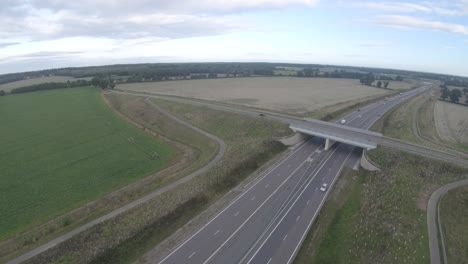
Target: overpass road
[268,222]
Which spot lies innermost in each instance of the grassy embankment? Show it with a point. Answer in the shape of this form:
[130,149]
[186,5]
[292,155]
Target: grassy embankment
[453,214]
[126,237]
[380,217]
[61,149]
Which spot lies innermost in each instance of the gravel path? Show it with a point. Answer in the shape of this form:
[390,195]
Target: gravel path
[433,221]
[209,165]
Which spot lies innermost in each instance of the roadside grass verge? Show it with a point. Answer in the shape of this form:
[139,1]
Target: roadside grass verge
[124,238]
[191,151]
[62,149]
[380,217]
[453,215]
[402,123]
[383,218]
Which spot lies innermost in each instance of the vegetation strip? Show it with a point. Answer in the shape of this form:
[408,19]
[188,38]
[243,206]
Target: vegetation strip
[434,221]
[50,244]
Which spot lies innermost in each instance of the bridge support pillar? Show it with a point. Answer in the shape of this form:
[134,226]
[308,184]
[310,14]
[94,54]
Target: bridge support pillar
[329,143]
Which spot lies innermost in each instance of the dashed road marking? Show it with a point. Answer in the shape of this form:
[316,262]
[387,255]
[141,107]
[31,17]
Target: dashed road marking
[297,218]
[215,233]
[308,202]
[284,238]
[191,255]
[236,214]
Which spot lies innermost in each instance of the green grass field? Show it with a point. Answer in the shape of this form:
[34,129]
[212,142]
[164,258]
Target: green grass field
[63,148]
[453,215]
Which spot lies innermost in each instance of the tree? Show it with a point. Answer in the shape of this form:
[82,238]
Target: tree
[368,79]
[385,84]
[399,78]
[300,74]
[465,91]
[379,84]
[2,93]
[445,93]
[466,102]
[103,83]
[455,95]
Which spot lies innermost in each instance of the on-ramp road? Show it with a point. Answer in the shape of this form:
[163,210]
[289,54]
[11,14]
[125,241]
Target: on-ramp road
[433,221]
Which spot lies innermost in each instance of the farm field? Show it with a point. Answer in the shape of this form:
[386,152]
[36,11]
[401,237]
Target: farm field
[125,238]
[380,217]
[284,94]
[7,87]
[63,148]
[451,122]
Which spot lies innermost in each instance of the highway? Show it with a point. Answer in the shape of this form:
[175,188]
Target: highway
[268,222]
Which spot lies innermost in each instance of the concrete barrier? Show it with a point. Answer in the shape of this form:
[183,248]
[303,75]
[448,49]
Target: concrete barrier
[366,163]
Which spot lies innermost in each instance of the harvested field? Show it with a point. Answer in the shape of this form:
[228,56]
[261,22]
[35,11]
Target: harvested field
[284,94]
[451,122]
[382,219]
[7,87]
[64,148]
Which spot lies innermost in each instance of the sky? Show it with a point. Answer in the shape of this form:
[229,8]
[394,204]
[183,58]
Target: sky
[430,36]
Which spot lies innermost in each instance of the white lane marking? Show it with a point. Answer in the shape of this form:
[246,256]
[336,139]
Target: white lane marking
[309,201]
[256,210]
[215,233]
[297,218]
[235,200]
[284,238]
[316,212]
[269,261]
[266,186]
[236,214]
[253,198]
[191,255]
[296,200]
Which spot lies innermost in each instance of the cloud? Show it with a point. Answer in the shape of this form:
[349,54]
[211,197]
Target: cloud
[454,8]
[116,19]
[6,44]
[407,22]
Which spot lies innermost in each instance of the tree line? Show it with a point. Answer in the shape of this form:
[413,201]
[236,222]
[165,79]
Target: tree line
[454,95]
[50,86]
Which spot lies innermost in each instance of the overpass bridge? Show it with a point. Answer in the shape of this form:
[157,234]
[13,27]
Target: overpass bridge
[337,133]
[365,139]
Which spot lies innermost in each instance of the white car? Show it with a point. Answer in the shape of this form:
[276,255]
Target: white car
[324,187]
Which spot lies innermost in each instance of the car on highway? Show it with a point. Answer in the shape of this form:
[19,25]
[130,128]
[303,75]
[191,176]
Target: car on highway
[324,187]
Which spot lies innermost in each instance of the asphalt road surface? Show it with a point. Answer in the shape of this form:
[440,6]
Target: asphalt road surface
[268,222]
[433,221]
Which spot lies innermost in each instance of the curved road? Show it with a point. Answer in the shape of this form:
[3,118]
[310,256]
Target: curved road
[433,219]
[144,199]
